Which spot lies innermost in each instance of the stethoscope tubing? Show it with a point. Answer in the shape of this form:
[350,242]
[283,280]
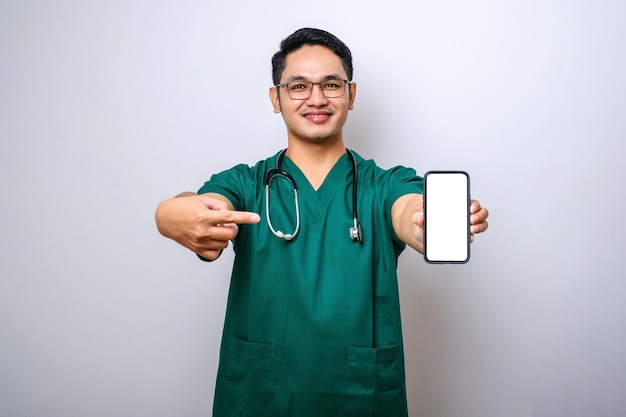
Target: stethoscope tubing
[269,176]
[355,232]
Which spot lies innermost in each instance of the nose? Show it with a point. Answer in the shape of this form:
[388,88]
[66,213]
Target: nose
[317,95]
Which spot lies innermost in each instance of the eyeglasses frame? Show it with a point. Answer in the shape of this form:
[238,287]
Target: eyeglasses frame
[347,84]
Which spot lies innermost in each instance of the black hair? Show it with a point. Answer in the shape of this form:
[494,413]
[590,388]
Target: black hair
[310,36]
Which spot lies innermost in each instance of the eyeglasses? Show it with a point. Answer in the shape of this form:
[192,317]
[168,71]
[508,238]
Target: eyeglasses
[302,90]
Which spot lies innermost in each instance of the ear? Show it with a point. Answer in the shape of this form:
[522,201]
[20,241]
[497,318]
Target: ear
[275,99]
[352,95]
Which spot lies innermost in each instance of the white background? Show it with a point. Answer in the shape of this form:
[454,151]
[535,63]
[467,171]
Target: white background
[106,108]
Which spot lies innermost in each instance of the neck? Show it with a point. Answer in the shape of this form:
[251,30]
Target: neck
[315,160]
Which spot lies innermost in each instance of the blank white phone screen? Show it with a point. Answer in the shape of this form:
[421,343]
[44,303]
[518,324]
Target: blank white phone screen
[446,211]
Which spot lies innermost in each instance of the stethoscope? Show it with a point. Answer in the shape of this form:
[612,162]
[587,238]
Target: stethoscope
[356,233]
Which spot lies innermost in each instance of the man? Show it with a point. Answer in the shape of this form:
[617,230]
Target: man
[312,325]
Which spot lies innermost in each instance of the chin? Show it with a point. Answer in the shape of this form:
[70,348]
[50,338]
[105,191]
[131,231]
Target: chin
[320,139]
[316,138]
[324,136]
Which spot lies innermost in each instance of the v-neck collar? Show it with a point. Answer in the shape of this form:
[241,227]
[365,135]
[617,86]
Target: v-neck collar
[342,169]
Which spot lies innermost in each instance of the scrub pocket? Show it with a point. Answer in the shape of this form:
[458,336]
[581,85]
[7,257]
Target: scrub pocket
[375,382]
[249,378]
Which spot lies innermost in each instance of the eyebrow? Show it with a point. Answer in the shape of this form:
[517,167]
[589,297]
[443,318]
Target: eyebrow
[301,78]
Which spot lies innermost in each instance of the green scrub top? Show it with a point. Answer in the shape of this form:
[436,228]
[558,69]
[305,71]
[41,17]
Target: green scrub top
[312,326]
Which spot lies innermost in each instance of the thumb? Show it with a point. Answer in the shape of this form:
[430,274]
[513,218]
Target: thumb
[418,218]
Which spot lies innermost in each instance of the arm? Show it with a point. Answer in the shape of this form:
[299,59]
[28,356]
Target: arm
[202,223]
[407,215]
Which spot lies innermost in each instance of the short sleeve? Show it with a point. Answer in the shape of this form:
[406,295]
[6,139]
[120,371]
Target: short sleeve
[401,181]
[230,183]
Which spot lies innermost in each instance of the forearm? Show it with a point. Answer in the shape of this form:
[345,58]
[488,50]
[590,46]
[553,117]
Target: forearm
[164,211]
[407,217]
[164,216]
[186,194]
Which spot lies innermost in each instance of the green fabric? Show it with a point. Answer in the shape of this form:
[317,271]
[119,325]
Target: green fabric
[312,325]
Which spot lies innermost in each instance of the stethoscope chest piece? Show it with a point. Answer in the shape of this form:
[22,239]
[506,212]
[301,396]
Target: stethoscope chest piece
[356,234]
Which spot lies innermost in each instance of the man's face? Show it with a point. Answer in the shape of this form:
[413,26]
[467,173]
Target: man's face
[318,118]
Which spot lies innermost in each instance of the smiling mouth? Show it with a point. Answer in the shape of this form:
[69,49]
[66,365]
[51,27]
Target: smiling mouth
[317,117]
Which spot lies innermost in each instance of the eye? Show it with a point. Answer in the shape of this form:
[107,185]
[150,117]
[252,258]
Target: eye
[333,84]
[296,86]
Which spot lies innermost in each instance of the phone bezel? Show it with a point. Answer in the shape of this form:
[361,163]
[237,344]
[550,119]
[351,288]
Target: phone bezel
[468,199]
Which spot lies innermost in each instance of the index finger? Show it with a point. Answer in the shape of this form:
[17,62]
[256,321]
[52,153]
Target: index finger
[237,217]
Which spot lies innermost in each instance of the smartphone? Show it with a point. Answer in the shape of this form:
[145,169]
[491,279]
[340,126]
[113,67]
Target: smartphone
[446,217]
